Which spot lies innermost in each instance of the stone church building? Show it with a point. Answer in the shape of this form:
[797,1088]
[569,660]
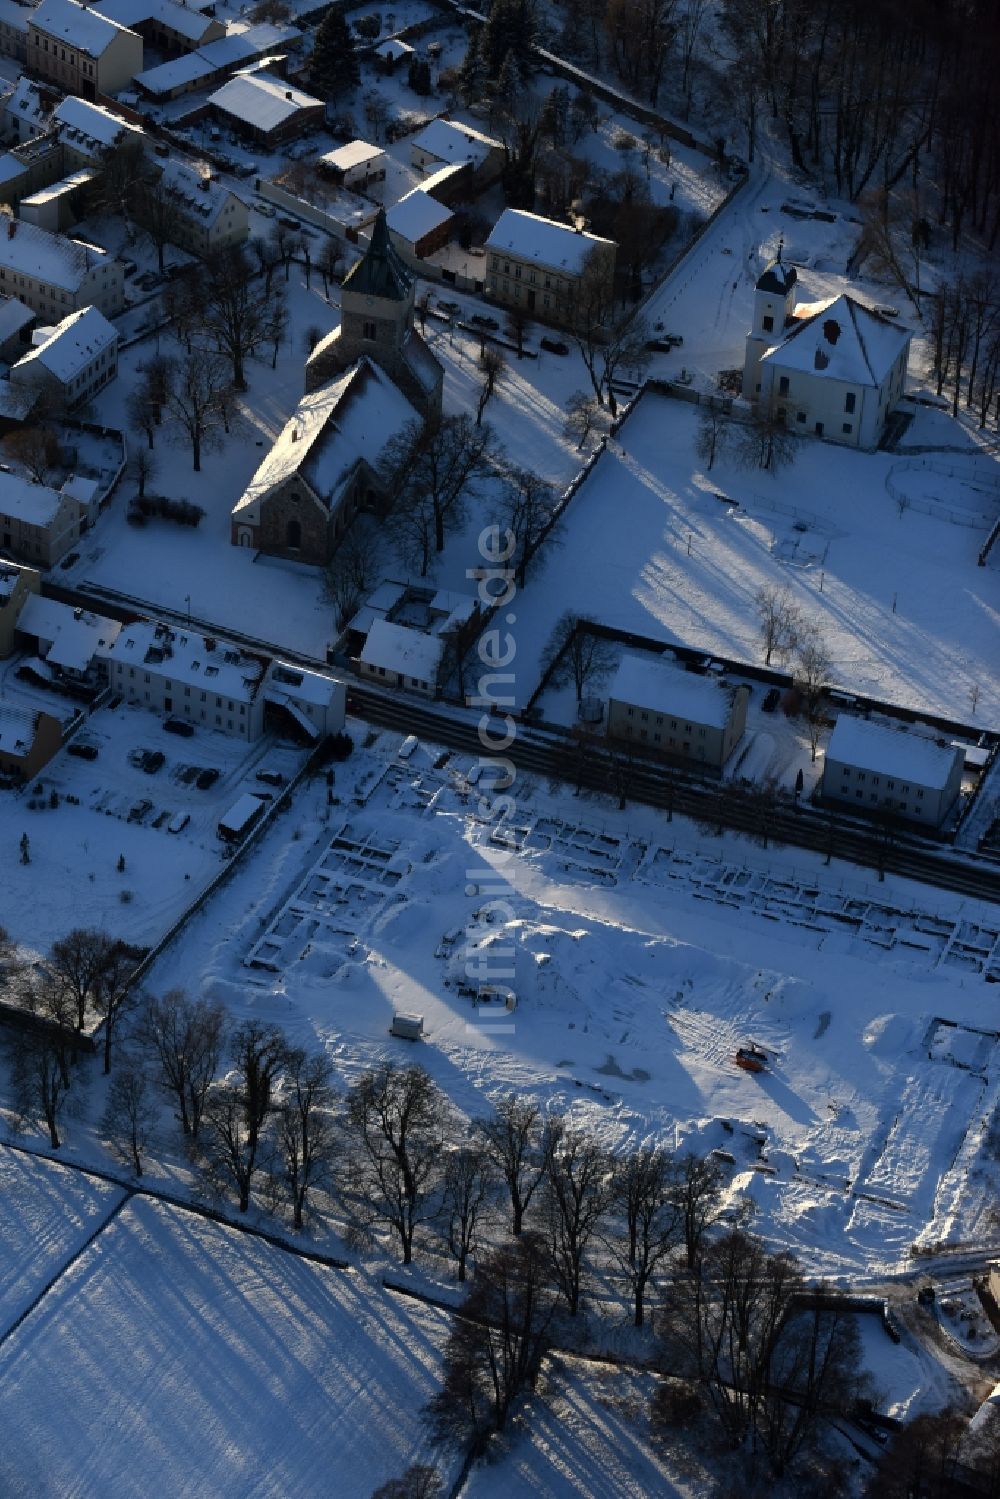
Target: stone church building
[366,382]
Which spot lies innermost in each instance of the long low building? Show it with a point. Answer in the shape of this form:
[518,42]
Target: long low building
[674,712]
[880,770]
[266,107]
[54,275]
[538,265]
[37,523]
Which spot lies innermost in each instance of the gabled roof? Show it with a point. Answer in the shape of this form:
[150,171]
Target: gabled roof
[54,258]
[545,241]
[645,682]
[407,652]
[81,123]
[85,29]
[330,431]
[261,100]
[877,748]
[416,215]
[70,346]
[453,142]
[183,20]
[379,272]
[842,340]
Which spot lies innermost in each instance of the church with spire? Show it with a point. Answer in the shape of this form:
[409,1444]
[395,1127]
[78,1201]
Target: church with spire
[376,323]
[369,382]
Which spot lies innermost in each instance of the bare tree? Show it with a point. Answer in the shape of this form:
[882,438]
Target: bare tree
[699,1189]
[779,621]
[516,325]
[514,1137]
[306,1132]
[712,435]
[141,467]
[276,325]
[434,469]
[34,448]
[237,314]
[646,1198]
[495,1349]
[186,1037]
[577,653]
[577,1193]
[527,505]
[114,994]
[75,963]
[353,570]
[39,1078]
[764,443]
[493,367]
[159,210]
[395,1116]
[581,417]
[467,1189]
[811,674]
[420,1481]
[129,1115]
[608,339]
[196,401]
[231,1157]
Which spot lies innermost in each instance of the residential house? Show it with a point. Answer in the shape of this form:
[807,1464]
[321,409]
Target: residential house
[444,143]
[834,369]
[82,51]
[73,360]
[13,30]
[26,109]
[17,584]
[660,707]
[376,323]
[537,265]
[217,685]
[418,225]
[72,641]
[16,322]
[879,770]
[88,132]
[266,108]
[60,206]
[28,741]
[324,467]
[207,215]
[168,27]
[399,656]
[37,523]
[55,275]
[355,166]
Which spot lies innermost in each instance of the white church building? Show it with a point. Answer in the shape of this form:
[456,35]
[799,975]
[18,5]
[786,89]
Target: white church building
[834,369]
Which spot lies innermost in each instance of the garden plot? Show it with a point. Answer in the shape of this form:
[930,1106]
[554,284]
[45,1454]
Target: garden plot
[49,1212]
[179,1357]
[351,883]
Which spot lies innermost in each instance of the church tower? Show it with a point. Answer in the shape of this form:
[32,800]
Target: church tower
[376,322]
[773,305]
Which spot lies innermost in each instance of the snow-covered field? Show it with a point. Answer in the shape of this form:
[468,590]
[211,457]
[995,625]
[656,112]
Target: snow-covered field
[177,1357]
[642,953]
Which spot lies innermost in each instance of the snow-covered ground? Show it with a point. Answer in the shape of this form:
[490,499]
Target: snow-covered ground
[177,1357]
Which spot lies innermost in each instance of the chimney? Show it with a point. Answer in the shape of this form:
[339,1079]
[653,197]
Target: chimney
[295,434]
[288,93]
[11,228]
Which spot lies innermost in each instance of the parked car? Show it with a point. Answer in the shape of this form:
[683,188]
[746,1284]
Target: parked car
[287,223]
[179,726]
[480,320]
[665,342]
[178,822]
[82,750]
[271,777]
[206,778]
[553,345]
[772,698]
[139,809]
[152,761]
[267,209]
[452,307]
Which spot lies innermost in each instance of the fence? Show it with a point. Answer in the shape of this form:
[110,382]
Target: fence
[961,515]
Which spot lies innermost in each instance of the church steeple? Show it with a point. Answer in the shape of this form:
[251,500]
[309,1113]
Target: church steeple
[380,272]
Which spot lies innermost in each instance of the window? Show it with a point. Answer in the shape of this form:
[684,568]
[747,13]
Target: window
[800,416]
[293,535]
[847,428]
[767,323]
[849,401]
[783,385]
[919,793]
[368,330]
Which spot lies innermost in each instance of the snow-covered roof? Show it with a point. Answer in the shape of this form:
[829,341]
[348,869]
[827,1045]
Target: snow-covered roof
[331,429]
[70,346]
[450,141]
[399,649]
[80,26]
[842,340]
[63,187]
[645,682]
[241,811]
[779,278]
[177,72]
[385,595]
[354,154]
[25,103]
[18,727]
[199,195]
[894,752]
[13,15]
[261,100]
[300,685]
[548,243]
[76,635]
[36,504]
[179,18]
[393,49]
[82,124]
[51,258]
[13,317]
[417,214]
[187,657]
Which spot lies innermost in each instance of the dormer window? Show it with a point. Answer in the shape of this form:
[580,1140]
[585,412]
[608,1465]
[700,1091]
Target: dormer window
[767,323]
